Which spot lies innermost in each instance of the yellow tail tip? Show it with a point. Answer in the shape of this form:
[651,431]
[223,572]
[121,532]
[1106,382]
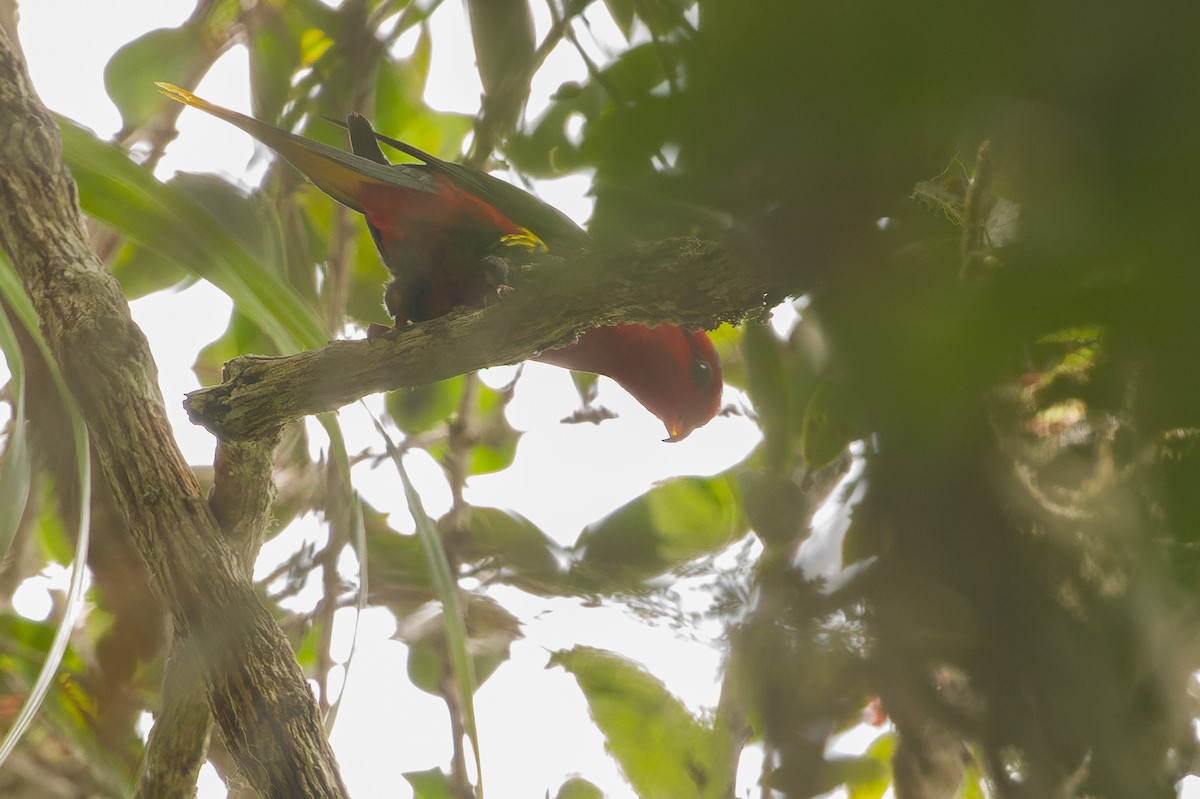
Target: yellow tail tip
[178,94]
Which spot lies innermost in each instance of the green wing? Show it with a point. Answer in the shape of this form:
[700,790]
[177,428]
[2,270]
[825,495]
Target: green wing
[552,226]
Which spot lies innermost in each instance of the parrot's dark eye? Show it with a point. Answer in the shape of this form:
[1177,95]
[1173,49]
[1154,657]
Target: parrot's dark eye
[702,374]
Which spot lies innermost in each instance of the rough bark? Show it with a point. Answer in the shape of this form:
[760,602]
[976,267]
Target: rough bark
[243,490]
[256,691]
[553,302]
[179,739]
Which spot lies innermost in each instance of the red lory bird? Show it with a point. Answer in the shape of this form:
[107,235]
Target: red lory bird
[443,230]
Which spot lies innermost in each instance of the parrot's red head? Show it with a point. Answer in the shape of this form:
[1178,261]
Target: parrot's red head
[696,394]
[674,373]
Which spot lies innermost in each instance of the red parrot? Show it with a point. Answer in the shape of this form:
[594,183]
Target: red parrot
[442,229]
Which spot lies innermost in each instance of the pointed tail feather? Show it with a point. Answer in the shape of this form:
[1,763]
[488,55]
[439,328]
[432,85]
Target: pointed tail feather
[362,139]
[343,176]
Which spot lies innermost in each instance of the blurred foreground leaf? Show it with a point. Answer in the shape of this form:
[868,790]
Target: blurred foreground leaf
[662,749]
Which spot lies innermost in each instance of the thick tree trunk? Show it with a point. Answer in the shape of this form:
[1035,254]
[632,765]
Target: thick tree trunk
[256,690]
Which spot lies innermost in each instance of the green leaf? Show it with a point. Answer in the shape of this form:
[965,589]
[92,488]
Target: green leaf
[578,788]
[396,567]
[663,17]
[856,772]
[15,465]
[664,752]
[490,632]
[174,55]
[68,706]
[124,196]
[873,787]
[25,642]
[286,41]
[727,340]
[488,458]
[431,784]
[274,57]
[516,545]
[674,522]
[400,109]
[421,408]
[307,237]
[781,377]
[495,440]
[586,386]
[974,780]
[774,506]
[308,648]
[240,337]
[426,665]
[622,13]
[22,311]
[636,72]
[862,775]
[445,588]
[249,218]
[142,270]
[497,449]
[768,388]
[548,150]
[54,541]
[400,88]
[827,428]
[502,31]
[344,512]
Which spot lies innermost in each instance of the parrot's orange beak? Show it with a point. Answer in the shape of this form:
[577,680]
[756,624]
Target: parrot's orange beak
[677,431]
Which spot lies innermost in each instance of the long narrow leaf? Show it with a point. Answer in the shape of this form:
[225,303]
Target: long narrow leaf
[126,197]
[445,588]
[341,461]
[14,293]
[15,467]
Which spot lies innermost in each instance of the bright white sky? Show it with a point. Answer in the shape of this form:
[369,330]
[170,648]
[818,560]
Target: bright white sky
[533,723]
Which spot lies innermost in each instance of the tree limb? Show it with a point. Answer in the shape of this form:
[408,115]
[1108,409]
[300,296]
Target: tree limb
[685,281]
[243,490]
[179,738]
[256,690]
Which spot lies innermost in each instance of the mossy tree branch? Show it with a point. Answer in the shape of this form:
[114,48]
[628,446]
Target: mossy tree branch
[686,281]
